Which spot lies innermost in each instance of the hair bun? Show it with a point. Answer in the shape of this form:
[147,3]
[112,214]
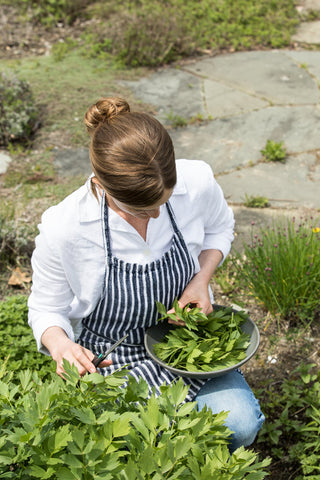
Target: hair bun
[103,111]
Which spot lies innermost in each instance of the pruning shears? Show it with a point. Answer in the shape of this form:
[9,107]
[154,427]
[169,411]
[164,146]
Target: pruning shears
[99,358]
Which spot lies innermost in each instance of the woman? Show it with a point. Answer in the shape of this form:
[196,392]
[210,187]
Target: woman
[144,228]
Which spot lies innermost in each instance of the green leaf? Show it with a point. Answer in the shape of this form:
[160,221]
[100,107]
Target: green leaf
[39,472]
[85,415]
[121,426]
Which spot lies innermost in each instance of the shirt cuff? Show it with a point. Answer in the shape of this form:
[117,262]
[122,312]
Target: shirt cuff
[39,326]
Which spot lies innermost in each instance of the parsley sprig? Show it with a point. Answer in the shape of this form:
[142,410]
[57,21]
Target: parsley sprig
[206,343]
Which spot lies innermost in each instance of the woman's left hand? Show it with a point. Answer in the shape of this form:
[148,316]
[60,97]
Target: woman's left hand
[197,290]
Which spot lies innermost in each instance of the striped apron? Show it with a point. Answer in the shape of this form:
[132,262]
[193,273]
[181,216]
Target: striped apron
[128,306]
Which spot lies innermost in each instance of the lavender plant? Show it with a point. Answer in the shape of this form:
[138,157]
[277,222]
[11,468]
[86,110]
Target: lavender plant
[281,267]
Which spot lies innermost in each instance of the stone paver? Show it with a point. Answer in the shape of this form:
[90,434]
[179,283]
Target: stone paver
[245,99]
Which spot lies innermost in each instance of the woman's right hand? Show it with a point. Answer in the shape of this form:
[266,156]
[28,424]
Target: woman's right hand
[61,347]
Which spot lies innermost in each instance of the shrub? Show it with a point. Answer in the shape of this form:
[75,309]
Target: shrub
[95,429]
[18,347]
[18,113]
[281,268]
[16,239]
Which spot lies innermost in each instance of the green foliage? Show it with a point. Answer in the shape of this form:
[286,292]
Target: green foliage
[51,12]
[177,121]
[18,113]
[60,50]
[256,201]
[153,32]
[292,431]
[96,429]
[18,348]
[274,152]
[206,343]
[281,268]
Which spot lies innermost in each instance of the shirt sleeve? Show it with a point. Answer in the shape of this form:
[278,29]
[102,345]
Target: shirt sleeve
[219,219]
[51,296]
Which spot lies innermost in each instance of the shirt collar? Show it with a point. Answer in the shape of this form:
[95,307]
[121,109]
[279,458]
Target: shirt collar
[90,207]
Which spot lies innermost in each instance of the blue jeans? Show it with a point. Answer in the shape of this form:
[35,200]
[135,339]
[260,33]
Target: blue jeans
[231,393]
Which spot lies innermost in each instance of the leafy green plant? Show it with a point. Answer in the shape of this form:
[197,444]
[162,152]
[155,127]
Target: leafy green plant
[177,121]
[18,348]
[18,112]
[281,268]
[291,433]
[256,201]
[206,343]
[274,152]
[96,428]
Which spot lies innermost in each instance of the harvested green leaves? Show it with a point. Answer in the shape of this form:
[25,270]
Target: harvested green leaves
[206,343]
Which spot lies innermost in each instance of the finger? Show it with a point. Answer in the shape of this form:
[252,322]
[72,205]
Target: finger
[105,363]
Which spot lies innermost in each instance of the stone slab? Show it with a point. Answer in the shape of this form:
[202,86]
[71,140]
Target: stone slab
[310,59]
[270,75]
[72,162]
[308,32]
[235,142]
[4,162]
[293,183]
[173,92]
[223,101]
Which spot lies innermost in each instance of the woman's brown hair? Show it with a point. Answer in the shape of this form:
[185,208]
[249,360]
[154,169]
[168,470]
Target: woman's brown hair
[131,153]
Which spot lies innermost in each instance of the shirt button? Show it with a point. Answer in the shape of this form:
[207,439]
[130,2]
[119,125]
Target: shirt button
[146,252]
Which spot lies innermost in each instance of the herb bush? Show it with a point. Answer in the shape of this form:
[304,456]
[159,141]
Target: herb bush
[291,433]
[281,268]
[18,349]
[94,429]
[18,112]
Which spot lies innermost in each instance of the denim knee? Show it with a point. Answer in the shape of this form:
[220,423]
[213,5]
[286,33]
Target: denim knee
[232,394]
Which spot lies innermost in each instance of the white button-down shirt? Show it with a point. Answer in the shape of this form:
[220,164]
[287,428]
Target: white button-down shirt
[69,259]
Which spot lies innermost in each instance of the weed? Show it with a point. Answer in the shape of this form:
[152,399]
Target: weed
[60,50]
[177,121]
[281,268]
[274,152]
[256,201]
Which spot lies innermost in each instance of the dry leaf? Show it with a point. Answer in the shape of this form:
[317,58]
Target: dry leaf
[18,278]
